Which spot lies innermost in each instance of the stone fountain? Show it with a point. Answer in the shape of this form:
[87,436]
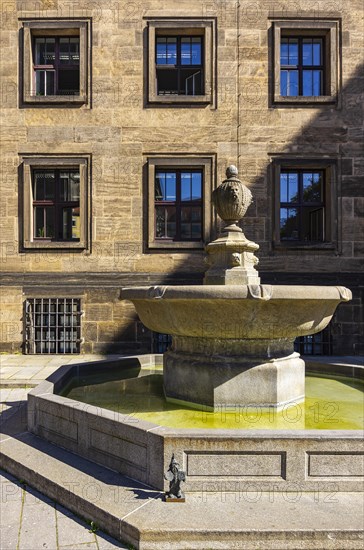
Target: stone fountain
[233,337]
[232,345]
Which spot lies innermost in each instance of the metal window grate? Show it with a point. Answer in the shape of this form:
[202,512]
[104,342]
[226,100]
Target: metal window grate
[161,342]
[315,344]
[52,325]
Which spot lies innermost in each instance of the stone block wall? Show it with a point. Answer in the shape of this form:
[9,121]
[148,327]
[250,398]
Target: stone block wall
[119,131]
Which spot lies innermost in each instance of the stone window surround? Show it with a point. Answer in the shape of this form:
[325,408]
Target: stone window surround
[329,166]
[51,27]
[206,164]
[205,27]
[48,162]
[329,30]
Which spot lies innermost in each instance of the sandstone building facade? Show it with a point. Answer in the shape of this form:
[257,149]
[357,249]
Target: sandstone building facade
[118,121]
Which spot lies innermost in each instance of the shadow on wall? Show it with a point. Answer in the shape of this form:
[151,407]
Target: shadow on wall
[334,133]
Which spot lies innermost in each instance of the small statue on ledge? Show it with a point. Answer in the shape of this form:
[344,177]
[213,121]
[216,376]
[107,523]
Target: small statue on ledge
[175,476]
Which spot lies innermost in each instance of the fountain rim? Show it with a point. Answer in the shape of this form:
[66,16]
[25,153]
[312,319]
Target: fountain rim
[263,292]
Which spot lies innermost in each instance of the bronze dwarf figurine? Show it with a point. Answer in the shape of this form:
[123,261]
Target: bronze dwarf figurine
[175,476]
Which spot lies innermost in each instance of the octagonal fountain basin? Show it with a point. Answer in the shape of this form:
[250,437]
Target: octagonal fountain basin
[234,344]
[114,413]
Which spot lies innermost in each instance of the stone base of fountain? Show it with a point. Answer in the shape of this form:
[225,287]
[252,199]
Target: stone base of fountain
[214,381]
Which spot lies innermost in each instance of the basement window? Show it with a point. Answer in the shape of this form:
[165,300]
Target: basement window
[52,325]
[315,344]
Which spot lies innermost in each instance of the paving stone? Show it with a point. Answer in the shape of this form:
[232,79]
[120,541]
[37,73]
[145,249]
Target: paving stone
[27,372]
[39,512]
[105,542]
[34,533]
[72,531]
[4,392]
[11,506]
[7,372]
[9,537]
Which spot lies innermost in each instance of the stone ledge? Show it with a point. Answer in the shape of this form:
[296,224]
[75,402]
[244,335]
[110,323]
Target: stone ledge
[136,514]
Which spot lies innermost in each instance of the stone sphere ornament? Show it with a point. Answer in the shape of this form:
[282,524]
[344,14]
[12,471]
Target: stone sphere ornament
[232,199]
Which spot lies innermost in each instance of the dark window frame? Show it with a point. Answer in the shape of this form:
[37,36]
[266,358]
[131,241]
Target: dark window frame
[300,67]
[31,162]
[57,66]
[53,28]
[300,205]
[56,203]
[330,32]
[179,67]
[332,178]
[179,203]
[205,27]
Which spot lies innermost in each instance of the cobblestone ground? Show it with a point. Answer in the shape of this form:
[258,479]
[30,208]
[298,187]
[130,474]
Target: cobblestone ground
[31,521]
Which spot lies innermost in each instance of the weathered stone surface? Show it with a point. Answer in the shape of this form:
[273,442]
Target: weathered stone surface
[119,129]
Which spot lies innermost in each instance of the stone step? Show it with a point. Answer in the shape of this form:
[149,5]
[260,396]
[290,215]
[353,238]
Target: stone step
[136,514]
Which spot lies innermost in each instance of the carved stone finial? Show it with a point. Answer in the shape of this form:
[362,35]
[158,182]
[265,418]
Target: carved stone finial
[232,199]
[231,258]
[232,171]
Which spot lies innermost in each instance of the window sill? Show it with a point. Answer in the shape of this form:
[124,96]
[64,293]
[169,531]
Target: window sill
[178,99]
[303,246]
[176,245]
[34,245]
[34,99]
[305,100]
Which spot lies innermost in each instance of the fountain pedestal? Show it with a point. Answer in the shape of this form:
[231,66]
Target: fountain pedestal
[233,373]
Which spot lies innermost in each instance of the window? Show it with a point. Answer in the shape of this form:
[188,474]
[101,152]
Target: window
[305,203]
[179,65]
[302,66]
[181,61]
[56,66]
[161,342]
[52,325]
[178,204]
[302,208]
[56,203]
[315,344]
[306,68]
[55,62]
[179,201]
